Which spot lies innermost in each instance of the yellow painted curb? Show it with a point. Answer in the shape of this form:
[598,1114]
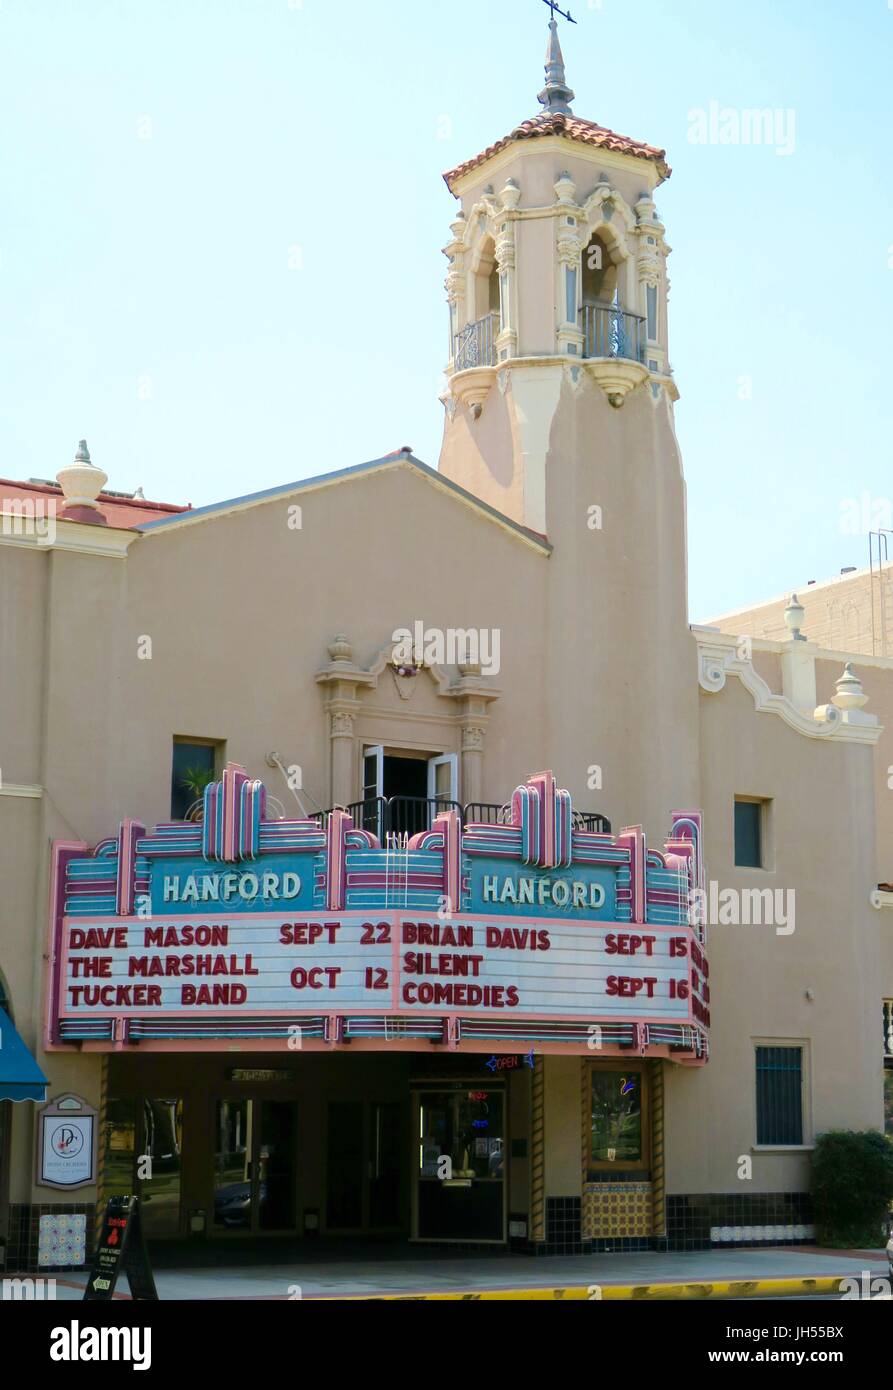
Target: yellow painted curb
[618,1293]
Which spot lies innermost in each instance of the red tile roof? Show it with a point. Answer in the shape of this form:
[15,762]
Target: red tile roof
[572,128]
[124,513]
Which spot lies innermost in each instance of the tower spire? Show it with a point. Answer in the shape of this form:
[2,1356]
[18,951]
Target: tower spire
[556,96]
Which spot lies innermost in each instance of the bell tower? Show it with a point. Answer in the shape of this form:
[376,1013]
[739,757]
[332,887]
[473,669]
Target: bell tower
[557,273]
[559,413]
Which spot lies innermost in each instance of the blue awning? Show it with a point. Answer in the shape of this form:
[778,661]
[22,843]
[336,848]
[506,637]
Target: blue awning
[20,1076]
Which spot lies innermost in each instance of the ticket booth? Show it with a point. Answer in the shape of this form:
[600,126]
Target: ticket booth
[459,1192]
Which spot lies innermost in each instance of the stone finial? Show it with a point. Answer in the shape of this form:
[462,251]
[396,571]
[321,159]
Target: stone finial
[565,188]
[340,649]
[459,226]
[850,694]
[81,483]
[556,96]
[793,616]
[510,196]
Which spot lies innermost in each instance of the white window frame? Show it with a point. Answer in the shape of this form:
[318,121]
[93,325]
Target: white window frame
[375,750]
[450,760]
[655,336]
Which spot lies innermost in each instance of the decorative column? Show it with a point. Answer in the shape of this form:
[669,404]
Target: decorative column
[101,1148]
[569,246]
[658,1164]
[649,268]
[342,680]
[474,693]
[341,735]
[507,341]
[472,763]
[538,1153]
[454,283]
[587,1215]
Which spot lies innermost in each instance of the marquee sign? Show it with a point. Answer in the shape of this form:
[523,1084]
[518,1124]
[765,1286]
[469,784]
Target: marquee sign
[247,927]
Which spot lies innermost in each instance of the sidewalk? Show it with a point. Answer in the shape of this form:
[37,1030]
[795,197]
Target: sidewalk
[618,1276]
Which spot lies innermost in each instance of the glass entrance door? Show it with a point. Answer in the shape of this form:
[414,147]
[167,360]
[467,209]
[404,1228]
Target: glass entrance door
[460,1190]
[386,1165]
[255,1166]
[366,1188]
[143,1156]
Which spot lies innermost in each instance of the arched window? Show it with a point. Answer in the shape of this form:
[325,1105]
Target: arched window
[486,282]
[476,342]
[610,328]
[600,279]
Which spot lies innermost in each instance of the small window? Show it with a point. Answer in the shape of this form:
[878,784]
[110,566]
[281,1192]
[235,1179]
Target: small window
[504,315]
[571,306]
[195,764]
[749,834]
[651,297]
[780,1095]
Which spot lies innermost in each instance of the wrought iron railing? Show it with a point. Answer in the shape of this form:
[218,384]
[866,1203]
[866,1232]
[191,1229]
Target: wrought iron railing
[888,1028]
[394,816]
[489,813]
[411,815]
[608,331]
[475,344]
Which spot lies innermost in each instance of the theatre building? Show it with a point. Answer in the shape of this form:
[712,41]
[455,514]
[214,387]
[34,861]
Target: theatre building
[385,855]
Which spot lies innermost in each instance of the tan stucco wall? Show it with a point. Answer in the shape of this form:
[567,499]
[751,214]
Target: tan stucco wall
[759,979]
[563,1125]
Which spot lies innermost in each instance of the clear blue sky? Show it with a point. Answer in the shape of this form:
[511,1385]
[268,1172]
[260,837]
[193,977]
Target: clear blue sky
[164,267]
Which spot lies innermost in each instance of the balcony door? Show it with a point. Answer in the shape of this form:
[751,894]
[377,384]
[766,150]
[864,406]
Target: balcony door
[410,785]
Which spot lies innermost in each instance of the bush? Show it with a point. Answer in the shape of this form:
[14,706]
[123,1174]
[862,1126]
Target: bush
[852,1184]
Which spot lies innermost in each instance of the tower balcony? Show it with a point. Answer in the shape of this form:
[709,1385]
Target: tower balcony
[475,344]
[612,342]
[614,346]
[608,331]
[474,360]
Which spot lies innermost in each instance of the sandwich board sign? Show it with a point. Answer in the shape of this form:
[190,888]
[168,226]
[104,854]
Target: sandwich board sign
[121,1250]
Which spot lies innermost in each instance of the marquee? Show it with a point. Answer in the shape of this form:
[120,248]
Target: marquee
[244,927]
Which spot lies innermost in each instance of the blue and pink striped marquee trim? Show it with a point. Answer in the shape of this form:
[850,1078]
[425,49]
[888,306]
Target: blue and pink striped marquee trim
[234,810]
[350,869]
[129,836]
[545,817]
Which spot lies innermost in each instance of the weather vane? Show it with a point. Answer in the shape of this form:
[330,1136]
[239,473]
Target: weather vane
[555,10]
